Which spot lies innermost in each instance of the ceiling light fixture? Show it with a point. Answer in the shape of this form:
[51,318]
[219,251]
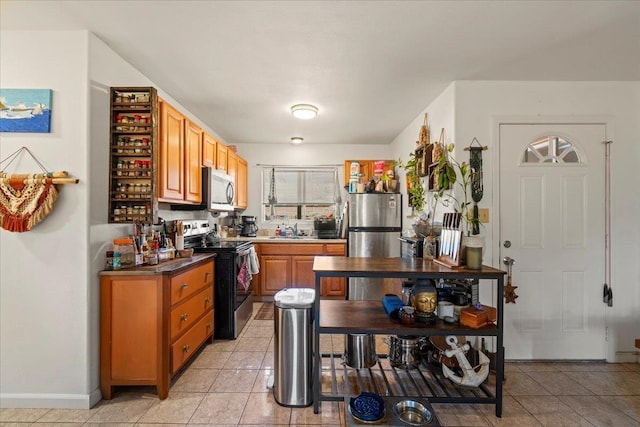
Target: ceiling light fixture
[304,111]
[296,139]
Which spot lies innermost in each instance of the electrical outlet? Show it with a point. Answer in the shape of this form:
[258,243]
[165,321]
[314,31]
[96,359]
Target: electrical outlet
[483,215]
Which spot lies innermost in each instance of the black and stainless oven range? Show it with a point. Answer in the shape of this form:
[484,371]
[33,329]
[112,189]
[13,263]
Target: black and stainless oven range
[233,290]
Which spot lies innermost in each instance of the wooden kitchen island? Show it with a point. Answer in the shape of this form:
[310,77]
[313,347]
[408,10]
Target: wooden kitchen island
[344,317]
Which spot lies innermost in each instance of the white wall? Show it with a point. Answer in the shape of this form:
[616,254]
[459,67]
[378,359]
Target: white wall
[43,273]
[471,109]
[480,104]
[441,114]
[49,283]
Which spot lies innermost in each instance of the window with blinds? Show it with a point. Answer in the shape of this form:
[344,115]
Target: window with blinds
[299,194]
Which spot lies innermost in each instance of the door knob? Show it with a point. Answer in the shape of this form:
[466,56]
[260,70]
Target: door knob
[507,243]
[508,260]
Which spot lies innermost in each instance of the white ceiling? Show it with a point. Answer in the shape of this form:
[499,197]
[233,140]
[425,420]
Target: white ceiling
[370,66]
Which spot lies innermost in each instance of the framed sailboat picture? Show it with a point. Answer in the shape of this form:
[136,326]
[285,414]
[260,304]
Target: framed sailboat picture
[25,110]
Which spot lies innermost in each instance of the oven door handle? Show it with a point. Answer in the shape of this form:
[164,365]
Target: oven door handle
[244,253]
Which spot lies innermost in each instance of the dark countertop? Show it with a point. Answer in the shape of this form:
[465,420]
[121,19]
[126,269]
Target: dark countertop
[395,267]
[274,239]
[169,267]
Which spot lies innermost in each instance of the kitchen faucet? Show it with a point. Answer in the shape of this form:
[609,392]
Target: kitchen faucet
[294,229]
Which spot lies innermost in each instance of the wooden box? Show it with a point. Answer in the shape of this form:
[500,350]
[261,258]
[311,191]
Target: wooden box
[474,318]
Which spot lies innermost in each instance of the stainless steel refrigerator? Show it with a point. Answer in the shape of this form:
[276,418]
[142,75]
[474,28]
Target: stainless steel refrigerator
[374,225]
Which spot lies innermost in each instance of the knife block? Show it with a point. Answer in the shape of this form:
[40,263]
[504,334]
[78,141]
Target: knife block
[448,261]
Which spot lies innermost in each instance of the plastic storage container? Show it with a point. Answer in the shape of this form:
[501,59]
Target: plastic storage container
[126,250]
[293,349]
[165,254]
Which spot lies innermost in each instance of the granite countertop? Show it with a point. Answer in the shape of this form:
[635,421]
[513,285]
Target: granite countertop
[274,239]
[168,267]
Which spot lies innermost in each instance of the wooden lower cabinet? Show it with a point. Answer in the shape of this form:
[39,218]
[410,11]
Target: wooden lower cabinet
[302,275]
[151,324]
[275,273]
[285,265]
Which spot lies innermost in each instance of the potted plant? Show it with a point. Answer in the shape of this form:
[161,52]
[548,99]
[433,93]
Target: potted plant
[422,220]
[445,175]
[415,189]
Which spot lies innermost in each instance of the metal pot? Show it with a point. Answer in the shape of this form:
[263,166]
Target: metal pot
[404,351]
[360,350]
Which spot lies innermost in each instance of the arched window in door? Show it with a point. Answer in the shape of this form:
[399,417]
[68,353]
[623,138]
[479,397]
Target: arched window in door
[551,149]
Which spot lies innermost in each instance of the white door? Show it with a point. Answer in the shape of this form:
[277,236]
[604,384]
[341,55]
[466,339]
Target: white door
[552,218]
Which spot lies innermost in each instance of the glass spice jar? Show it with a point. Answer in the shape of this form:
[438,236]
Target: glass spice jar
[109,260]
[116,262]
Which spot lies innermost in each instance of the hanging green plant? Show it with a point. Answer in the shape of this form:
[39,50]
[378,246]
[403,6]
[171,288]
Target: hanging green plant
[448,172]
[415,189]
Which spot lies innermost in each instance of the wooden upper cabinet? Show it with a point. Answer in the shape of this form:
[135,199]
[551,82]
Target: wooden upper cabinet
[179,165]
[209,148]
[241,183]
[171,160]
[366,169]
[193,169]
[232,170]
[221,157]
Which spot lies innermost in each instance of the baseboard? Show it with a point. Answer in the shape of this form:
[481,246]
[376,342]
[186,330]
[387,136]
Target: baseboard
[627,357]
[50,401]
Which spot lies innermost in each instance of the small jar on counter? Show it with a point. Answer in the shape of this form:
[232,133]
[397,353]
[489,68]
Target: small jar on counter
[117,264]
[152,258]
[124,248]
[109,260]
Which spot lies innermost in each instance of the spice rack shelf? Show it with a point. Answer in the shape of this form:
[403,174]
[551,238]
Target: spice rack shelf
[133,153]
[352,317]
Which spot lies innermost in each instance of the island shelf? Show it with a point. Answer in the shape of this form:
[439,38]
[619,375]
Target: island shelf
[350,317]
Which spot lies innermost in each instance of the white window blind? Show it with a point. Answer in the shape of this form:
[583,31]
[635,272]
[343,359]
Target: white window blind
[299,193]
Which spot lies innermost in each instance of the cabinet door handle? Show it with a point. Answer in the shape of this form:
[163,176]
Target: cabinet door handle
[208,325]
[186,348]
[185,286]
[184,317]
[206,275]
[207,300]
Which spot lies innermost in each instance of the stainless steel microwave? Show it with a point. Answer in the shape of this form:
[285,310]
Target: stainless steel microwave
[220,190]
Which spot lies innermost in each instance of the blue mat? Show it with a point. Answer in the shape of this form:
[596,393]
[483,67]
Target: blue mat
[392,305]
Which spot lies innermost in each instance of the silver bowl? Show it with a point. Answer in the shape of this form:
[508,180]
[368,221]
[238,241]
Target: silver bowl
[413,413]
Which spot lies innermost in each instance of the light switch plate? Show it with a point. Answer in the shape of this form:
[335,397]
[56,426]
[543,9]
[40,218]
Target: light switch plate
[483,215]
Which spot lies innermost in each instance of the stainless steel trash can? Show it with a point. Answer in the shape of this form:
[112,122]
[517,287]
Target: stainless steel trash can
[293,347]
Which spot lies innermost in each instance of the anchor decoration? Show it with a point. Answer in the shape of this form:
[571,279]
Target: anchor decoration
[471,377]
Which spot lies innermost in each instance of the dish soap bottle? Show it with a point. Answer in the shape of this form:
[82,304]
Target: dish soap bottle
[277,231]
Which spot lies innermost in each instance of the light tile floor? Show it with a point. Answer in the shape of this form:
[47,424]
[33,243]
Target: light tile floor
[226,385]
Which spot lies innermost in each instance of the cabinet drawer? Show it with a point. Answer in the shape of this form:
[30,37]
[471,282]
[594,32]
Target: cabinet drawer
[291,249]
[184,315]
[307,249]
[182,349]
[188,283]
[275,249]
[335,249]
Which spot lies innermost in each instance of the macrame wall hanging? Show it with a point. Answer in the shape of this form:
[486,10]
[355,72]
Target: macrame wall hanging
[477,188]
[27,199]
